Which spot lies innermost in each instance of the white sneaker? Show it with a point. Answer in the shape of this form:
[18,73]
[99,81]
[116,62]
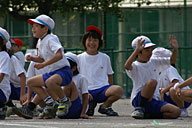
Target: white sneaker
[184,112]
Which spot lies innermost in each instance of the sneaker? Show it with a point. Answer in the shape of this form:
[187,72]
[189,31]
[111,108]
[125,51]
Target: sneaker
[3,113]
[23,112]
[108,111]
[184,112]
[138,113]
[9,111]
[49,112]
[63,108]
[91,109]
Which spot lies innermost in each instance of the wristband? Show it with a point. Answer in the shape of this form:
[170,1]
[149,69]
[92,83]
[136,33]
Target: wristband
[175,86]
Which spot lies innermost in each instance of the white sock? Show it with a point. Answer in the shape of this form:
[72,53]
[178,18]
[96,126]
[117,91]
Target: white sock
[48,100]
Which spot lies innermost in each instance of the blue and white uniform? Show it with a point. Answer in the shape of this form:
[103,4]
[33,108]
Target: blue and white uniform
[47,48]
[96,69]
[5,89]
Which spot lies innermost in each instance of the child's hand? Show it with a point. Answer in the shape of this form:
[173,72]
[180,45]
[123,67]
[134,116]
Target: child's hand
[23,99]
[90,96]
[28,57]
[178,91]
[85,116]
[39,66]
[173,42]
[140,45]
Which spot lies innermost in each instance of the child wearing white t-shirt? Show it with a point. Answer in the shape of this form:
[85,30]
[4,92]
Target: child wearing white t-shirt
[168,79]
[96,67]
[18,74]
[50,55]
[144,72]
[5,89]
[80,81]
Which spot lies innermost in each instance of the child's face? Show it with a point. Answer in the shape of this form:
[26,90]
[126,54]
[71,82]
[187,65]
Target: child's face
[38,31]
[145,55]
[15,48]
[92,45]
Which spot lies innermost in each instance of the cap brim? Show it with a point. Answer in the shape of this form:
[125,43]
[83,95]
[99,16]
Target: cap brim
[32,21]
[149,45]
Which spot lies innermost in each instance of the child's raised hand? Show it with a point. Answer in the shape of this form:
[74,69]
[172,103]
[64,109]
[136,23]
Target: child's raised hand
[173,42]
[140,45]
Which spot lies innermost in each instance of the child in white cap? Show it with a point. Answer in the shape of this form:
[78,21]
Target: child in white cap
[145,96]
[96,67]
[50,55]
[5,89]
[80,81]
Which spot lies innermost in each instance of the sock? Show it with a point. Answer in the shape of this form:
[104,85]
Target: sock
[64,99]
[48,100]
[143,101]
[10,104]
[31,106]
[2,104]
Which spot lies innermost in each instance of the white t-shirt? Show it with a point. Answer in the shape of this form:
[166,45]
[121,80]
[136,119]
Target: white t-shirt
[141,73]
[16,69]
[167,76]
[5,69]
[32,71]
[95,68]
[21,57]
[81,83]
[47,48]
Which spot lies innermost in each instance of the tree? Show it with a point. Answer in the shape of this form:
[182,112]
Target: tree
[20,9]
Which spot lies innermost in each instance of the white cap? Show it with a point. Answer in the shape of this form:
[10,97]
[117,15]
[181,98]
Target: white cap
[72,57]
[4,34]
[161,52]
[146,44]
[43,20]
[8,45]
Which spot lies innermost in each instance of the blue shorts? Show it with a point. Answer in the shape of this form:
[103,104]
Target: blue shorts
[74,110]
[15,92]
[169,100]
[64,72]
[153,106]
[99,94]
[3,98]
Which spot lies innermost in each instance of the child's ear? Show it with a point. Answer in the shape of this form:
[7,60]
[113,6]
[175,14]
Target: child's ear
[74,68]
[46,28]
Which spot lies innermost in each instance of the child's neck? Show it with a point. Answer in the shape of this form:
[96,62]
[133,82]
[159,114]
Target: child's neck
[43,36]
[92,53]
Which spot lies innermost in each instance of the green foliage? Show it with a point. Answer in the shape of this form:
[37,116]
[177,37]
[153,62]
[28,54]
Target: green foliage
[22,9]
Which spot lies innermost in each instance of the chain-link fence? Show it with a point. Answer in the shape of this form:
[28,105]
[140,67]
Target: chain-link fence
[156,23]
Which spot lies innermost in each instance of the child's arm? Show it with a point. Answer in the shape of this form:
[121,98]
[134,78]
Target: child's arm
[174,45]
[184,84]
[84,106]
[37,59]
[22,91]
[130,60]
[29,95]
[58,56]
[1,76]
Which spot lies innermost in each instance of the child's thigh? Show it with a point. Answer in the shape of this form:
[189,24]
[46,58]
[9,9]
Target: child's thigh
[114,90]
[168,108]
[35,81]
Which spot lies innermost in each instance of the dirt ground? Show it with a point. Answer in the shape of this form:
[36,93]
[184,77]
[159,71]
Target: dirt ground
[123,107]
